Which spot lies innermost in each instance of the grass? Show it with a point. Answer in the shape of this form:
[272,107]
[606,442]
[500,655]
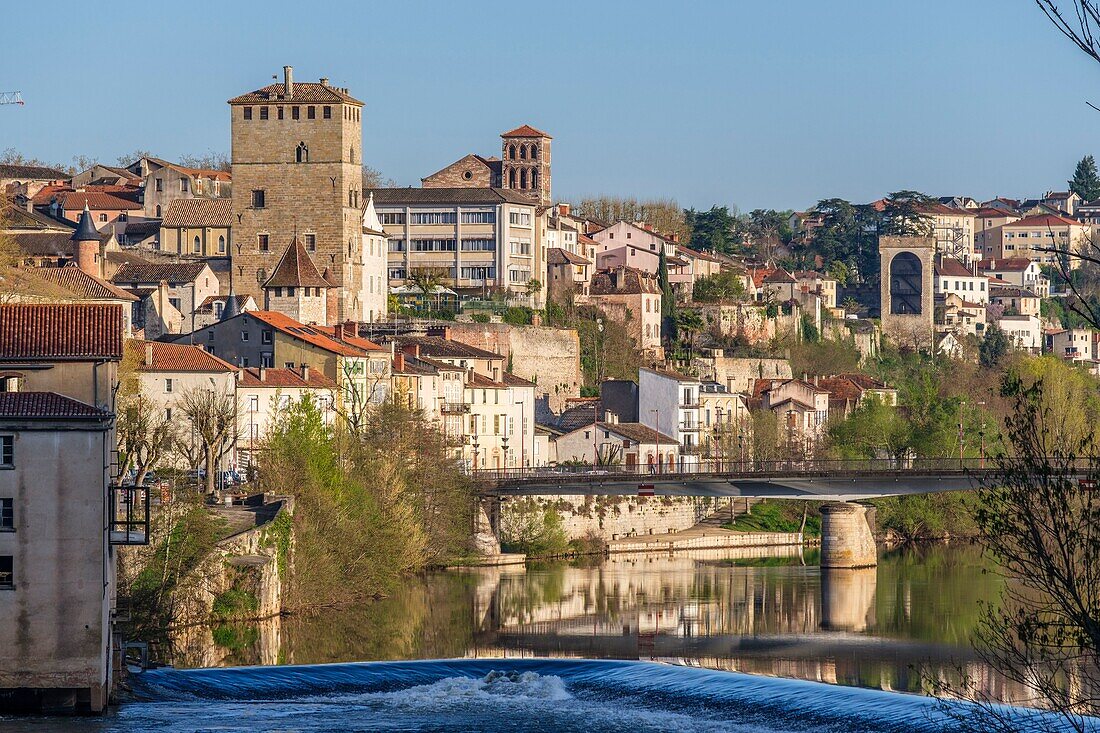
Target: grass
[779,516]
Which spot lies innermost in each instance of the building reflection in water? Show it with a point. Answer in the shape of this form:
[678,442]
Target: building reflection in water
[764,611]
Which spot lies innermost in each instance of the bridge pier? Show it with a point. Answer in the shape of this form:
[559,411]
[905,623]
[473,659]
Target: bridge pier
[846,539]
[848,598]
[487,527]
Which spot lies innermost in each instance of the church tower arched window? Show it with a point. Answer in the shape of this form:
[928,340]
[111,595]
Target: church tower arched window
[301,153]
[523,152]
[512,178]
[511,152]
[523,180]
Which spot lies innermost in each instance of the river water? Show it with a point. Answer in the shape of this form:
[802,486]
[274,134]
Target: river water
[631,642]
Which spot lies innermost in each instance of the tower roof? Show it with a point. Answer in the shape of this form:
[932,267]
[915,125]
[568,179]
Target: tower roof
[231,307]
[296,269]
[525,131]
[85,230]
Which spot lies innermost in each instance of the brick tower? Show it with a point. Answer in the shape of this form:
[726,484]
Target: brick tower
[297,156]
[525,162]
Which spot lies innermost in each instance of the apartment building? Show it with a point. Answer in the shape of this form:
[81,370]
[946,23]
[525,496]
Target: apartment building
[481,240]
[1019,271]
[669,403]
[954,278]
[988,230]
[1042,236]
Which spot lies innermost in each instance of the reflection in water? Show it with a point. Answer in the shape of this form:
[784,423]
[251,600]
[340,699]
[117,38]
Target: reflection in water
[762,611]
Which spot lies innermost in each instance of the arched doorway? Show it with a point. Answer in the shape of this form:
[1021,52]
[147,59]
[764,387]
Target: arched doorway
[906,284]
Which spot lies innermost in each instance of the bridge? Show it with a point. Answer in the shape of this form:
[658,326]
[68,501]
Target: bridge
[846,537]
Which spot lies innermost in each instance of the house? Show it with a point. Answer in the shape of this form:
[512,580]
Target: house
[725,418]
[954,278]
[1065,201]
[1014,300]
[631,297]
[1072,344]
[214,307]
[1019,271]
[640,246]
[823,286]
[166,183]
[197,227]
[189,284]
[1025,332]
[952,228]
[297,289]
[849,391]
[988,230]
[963,316]
[262,393]
[71,284]
[375,262]
[669,403]
[58,512]
[566,274]
[778,286]
[27,180]
[1042,237]
[99,174]
[801,408]
[611,443]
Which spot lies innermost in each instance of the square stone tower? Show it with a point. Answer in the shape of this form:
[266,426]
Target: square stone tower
[297,156]
[906,272]
[525,163]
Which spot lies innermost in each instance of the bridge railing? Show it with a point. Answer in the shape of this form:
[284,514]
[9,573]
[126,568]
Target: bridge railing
[733,469]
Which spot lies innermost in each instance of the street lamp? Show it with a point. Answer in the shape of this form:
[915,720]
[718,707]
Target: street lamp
[522,434]
[961,403]
[596,350]
[658,422]
[476,445]
[741,450]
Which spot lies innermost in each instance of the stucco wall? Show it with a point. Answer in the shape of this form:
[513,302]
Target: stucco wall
[612,517]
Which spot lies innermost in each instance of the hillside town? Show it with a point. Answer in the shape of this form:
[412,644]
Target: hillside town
[161,319]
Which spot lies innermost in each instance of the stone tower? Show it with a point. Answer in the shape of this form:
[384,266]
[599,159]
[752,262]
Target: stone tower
[906,272]
[86,244]
[297,157]
[525,162]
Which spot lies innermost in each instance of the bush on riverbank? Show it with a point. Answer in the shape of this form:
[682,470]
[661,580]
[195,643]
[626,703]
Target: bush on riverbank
[372,504]
[779,515]
[926,516]
[532,529]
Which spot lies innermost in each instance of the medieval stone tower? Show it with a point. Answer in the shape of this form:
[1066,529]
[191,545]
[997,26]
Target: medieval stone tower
[525,162]
[297,156]
[906,270]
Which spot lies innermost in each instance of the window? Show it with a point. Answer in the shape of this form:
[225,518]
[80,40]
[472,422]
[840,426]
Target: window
[278,292]
[7,451]
[244,336]
[266,336]
[311,112]
[262,240]
[479,245]
[511,152]
[263,113]
[433,245]
[479,217]
[168,414]
[520,218]
[280,113]
[221,244]
[327,112]
[519,276]
[311,242]
[169,386]
[196,245]
[397,245]
[259,198]
[158,184]
[174,302]
[184,185]
[295,113]
[301,153]
[392,218]
[479,273]
[7,572]
[158,211]
[433,217]
[247,116]
[290,292]
[103,217]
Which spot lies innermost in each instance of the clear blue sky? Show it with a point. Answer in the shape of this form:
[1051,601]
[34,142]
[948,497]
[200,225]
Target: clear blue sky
[765,104]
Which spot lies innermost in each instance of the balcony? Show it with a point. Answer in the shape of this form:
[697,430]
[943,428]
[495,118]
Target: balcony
[691,449]
[690,426]
[129,523]
[454,408]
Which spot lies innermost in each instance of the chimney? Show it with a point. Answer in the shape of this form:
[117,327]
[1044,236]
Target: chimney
[263,374]
[148,353]
[564,209]
[240,374]
[399,362]
[305,372]
[338,332]
[324,81]
[288,81]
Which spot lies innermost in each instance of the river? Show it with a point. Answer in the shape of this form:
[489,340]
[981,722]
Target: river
[748,641]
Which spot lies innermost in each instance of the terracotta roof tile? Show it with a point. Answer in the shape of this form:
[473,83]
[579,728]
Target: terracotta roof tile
[96,201]
[525,131]
[36,172]
[310,334]
[304,92]
[161,356]
[951,267]
[199,213]
[559,256]
[290,378]
[46,405]
[1044,220]
[61,331]
[154,272]
[80,283]
[637,432]
[1008,264]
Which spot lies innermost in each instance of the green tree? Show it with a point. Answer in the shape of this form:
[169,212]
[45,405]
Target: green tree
[717,229]
[994,346]
[1086,179]
[668,298]
[690,323]
[725,285]
[903,214]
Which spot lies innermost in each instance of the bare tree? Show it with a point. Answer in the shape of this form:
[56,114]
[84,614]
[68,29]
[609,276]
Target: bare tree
[210,160]
[145,436]
[373,178]
[213,417]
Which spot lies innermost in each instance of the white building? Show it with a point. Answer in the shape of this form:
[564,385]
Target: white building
[375,295]
[1024,331]
[263,393]
[619,444]
[669,403]
[954,278]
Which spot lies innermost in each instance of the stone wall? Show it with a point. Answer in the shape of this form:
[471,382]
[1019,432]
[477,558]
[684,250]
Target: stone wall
[549,357]
[739,373]
[614,517]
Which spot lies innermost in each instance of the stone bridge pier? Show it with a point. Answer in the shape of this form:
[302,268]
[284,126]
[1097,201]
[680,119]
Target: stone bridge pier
[846,539]
[487,527]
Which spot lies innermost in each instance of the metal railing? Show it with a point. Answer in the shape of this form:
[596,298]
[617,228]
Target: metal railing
[129,523]
[454,408]
[724,468]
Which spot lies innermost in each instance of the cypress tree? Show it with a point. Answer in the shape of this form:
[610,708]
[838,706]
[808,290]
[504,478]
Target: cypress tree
[1086,180]
[668,299]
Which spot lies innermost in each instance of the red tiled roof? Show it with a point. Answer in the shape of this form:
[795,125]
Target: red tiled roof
[992,213]
[199,213]
[250,377]
[759,275]
[96,201]
[525,131]
[296,269]
[779,276]
[304,92]
[943,210]
[1044,220]
[46,405]
[46,193]
[72,278]
[159,356]
[952,267]
[513,381]
[1011,264]
[312,335]
[61,331]
[350,338]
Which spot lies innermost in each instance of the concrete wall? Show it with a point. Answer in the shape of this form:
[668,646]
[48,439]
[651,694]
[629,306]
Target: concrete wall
[612,517]
[549,357]
[56,629]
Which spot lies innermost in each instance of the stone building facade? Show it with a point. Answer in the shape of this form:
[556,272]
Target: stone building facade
[297,156]
[523,165]
[907,289]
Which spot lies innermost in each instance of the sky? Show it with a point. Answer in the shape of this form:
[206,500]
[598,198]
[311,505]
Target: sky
[761,104]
